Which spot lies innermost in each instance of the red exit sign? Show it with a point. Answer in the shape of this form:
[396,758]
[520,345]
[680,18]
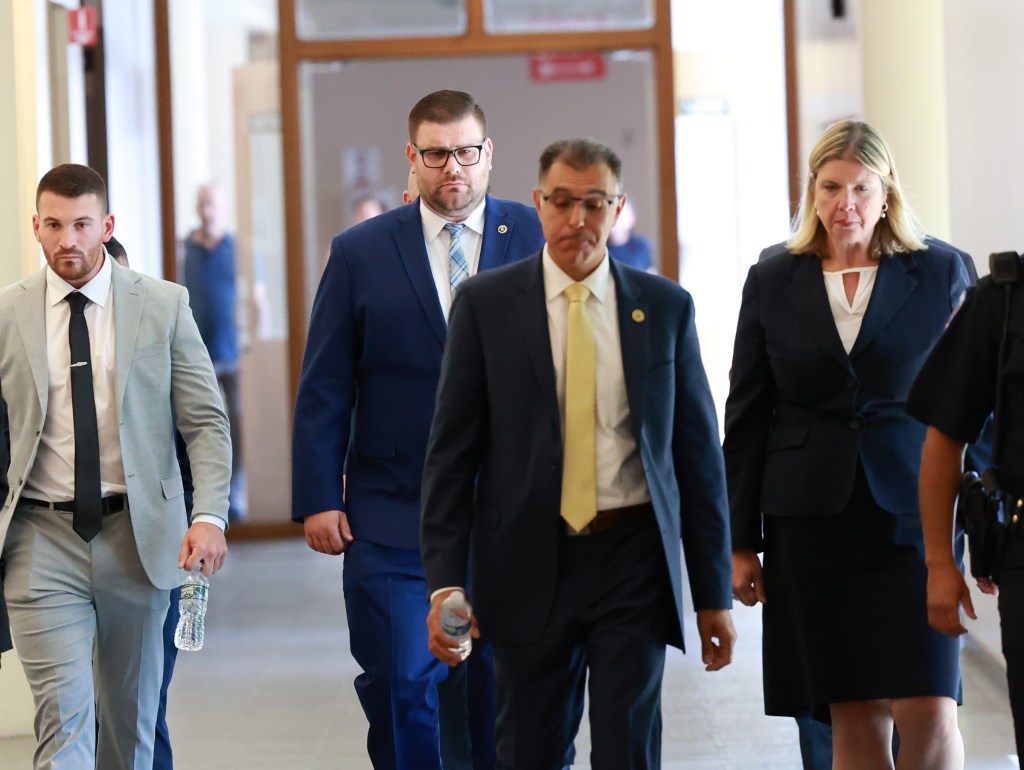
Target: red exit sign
[82,26]
[554,67]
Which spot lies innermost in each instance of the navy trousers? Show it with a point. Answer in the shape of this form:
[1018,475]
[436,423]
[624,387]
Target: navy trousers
[608,631]
[162,759]
[386,605]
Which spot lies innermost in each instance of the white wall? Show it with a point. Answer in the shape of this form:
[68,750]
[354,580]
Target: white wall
[133,179]
[22,42]
[208,40]
[829,64]
[731,159]
[985,74]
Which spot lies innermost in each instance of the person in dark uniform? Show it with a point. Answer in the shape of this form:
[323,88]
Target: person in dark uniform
[954,395]
[822,462]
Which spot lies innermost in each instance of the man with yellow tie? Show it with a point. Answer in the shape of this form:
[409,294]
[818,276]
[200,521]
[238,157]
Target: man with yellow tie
[574,447]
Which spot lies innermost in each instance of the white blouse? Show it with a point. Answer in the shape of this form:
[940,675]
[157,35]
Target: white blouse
[848,315]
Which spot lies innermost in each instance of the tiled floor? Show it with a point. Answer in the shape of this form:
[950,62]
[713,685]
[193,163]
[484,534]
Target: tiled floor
[273,688]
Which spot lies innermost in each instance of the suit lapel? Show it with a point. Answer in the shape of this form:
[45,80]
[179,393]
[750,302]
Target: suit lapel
[31,316]
[129,299]
[634,323]
[498,229]
[413,253]
[531,306]
[894,284]
[806,294]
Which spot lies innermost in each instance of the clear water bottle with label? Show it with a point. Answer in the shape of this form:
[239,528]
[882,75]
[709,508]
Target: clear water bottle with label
[457,620]
[192,606]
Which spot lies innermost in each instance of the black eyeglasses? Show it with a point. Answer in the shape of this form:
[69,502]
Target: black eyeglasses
[437,157]
[595,203]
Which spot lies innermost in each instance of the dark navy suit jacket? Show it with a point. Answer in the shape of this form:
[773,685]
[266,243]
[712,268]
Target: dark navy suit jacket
[492,480]
[802,413]
[369,376]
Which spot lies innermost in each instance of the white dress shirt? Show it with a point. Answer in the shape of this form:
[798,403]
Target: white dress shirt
[438,240]
[620,474]
[52,476]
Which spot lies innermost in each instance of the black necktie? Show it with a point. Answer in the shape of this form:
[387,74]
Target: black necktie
[88,498]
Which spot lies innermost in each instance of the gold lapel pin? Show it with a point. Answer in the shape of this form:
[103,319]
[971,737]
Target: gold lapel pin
[502,229]
[638,316]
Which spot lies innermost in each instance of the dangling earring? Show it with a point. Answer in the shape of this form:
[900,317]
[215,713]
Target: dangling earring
[885,207]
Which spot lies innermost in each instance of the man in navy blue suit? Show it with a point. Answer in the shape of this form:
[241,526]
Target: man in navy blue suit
[366,398]
[574,552]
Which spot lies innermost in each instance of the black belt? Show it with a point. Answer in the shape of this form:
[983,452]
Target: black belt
[112,504]
[609,518]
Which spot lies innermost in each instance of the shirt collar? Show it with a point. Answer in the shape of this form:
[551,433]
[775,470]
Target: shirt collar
[556,281]
[96,290]
[433,223]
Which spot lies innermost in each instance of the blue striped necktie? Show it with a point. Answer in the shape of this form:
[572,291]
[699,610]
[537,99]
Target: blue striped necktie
[458,270]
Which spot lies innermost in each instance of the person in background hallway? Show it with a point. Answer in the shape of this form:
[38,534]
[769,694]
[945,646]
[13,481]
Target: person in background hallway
[210,277]
[822,462]
[162,755]
[574,553]
[411,191]
[365,207]
[954,394]
[373,353]
[626,246]
[816,736]
[93,532]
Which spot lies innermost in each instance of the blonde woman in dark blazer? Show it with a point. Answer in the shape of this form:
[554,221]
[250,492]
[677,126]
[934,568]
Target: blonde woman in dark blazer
[822,462]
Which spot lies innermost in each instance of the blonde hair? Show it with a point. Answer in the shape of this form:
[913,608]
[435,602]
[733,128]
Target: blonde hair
[854,140]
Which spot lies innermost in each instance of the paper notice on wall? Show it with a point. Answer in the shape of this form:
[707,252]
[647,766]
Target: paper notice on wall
[360,168]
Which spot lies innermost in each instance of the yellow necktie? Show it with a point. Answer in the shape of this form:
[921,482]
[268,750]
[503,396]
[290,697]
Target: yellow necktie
[579,464]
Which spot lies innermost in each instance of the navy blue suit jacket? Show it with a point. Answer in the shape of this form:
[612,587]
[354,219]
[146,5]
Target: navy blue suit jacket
[369,376]
[493,475]
[801,412]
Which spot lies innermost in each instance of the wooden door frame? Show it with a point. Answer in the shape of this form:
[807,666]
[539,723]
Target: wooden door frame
[475,42]
[293,52]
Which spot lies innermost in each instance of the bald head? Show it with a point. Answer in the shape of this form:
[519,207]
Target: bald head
[210,208]
[411,191]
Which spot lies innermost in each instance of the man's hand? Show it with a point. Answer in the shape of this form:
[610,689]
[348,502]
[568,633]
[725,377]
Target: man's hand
[442,646]
[987,586]
[328,532]
[947,590]
[747,585]
[204,543]
[712,625]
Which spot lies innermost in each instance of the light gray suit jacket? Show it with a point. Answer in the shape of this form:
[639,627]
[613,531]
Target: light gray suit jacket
[161,363]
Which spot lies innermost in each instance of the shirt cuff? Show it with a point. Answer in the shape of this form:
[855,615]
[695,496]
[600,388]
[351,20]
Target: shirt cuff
[209,518]
[448,588]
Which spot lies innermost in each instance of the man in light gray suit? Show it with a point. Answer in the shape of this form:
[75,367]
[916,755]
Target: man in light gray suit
[93,528]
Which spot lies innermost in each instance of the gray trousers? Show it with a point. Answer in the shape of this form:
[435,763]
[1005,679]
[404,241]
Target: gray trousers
[87,625]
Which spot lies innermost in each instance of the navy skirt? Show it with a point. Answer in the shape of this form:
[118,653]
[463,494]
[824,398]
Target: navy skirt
[846,616]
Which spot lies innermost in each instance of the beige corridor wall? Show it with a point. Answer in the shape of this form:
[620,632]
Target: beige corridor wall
[18,169]
[986,125]
[18,142]
[905,98]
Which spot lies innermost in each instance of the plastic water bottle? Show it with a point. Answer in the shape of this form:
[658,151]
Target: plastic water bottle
[456,621]
[192,606]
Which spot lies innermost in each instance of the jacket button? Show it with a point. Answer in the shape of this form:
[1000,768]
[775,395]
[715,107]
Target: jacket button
[856,423]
